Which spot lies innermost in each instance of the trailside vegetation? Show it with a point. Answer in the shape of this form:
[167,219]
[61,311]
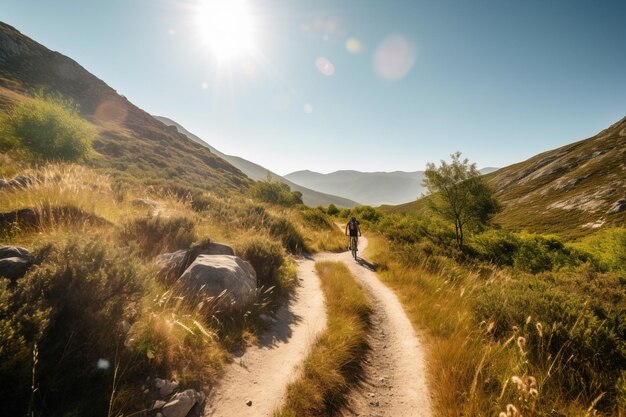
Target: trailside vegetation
[460,194]
[48,128]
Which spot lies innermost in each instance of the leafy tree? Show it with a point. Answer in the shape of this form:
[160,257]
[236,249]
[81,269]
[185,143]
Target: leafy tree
[48,127]
[460,194]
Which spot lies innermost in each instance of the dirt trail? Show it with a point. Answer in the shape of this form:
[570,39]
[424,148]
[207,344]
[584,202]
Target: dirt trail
[395,370]
[262,373]
[395,384]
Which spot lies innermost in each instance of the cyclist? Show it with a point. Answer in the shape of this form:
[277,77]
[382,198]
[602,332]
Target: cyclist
[353,228]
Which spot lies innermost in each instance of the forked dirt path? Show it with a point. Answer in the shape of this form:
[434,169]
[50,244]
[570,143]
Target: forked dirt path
[263,372]
[395,371]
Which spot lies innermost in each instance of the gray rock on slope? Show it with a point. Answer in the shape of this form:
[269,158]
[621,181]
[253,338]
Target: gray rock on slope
[228,277]
[173,264]
[181,404]
[14,262]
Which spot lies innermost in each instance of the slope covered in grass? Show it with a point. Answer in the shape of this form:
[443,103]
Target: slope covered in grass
[130,143]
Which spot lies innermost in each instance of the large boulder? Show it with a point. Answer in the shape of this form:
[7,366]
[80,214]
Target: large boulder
[14,262]
[172,265]
[228,277]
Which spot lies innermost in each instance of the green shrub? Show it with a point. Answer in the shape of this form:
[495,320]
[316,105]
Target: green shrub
[266,257]
[156,235]
[317,218]
[366,213]
[546,253]
[581,341]
[332,210]
[608,246]
[72,305]
[496,246]
[275,192]
[50,128]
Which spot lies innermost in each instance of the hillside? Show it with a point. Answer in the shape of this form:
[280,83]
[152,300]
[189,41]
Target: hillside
[256,172]
[131,143]
[371,188]
[570,190]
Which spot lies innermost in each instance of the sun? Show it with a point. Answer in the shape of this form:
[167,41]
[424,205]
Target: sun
[227,26]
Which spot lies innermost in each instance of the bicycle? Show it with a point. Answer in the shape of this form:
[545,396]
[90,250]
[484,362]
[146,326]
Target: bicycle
[354,243]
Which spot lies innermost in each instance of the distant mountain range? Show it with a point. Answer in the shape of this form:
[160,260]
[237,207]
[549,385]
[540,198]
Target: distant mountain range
[371,188]
[570,190]
[256,172]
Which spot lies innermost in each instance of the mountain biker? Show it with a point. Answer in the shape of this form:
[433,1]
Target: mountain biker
[353,227]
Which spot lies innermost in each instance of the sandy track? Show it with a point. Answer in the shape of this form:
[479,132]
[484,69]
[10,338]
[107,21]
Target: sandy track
[395,370]
[395,384]
[262,373]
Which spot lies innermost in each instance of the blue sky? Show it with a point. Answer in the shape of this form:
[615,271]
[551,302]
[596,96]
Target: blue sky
[498,80]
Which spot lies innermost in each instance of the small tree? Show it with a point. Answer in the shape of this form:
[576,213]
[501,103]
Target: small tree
[460,194]
[275,192]
[48,127]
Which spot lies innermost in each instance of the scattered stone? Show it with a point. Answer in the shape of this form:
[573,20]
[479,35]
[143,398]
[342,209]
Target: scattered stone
[145,203]
[229,280]
[182,403]
[249,403]
[371,395]
[158,404]
[165,387]
[618,206]
[14,262]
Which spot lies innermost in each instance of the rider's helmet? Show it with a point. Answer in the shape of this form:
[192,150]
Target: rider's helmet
[353,219]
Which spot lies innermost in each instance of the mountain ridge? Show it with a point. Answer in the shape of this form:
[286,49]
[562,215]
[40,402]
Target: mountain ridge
[570,190]
[130,143]
[257,172]
[371,188]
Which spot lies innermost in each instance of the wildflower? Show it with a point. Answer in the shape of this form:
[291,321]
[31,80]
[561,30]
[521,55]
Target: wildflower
[528,320]
[539,327]
[521,342]
[511,411]
[534,393]
[490,327]
[518,381]
[515,329]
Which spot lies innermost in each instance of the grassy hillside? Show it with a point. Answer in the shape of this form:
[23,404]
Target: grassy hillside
[131,144]
[570,191]
[256,172]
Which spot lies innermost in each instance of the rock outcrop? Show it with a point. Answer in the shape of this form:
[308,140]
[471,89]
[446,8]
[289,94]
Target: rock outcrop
[228,280]
[172,265]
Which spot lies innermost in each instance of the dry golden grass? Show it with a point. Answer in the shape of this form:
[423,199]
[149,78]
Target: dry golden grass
[470,372]
[334,363]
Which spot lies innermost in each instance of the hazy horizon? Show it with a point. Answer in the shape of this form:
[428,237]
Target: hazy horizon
[357,85]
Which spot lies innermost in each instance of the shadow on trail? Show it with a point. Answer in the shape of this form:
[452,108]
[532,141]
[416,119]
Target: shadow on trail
[365,264]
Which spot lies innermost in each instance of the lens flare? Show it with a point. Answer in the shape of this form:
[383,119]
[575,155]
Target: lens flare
[394,58]
[325,66]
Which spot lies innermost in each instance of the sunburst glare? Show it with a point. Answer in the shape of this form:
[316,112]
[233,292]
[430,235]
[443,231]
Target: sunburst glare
[228,28]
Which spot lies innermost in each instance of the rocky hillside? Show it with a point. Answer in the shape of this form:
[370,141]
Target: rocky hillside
[571,190]
[256,172]
[130,143]
[577,187]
